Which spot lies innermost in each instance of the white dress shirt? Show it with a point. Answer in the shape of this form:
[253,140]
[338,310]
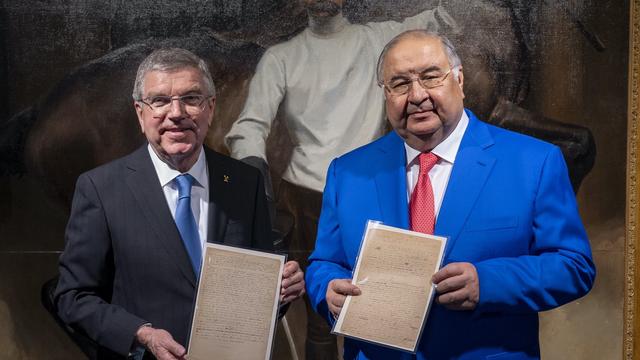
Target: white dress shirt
[199,190]
[439,174]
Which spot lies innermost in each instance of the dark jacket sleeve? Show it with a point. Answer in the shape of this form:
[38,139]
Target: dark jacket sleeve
[86,275]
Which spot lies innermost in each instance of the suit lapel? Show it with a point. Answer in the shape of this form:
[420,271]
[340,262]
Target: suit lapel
[470,172]
[219,193]
[144,185]
[391,182]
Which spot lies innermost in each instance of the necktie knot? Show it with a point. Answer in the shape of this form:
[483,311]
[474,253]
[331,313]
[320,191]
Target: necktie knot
[427,162]
[184,182]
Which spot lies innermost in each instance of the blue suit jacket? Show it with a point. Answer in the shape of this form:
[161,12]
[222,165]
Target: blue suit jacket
[508,208]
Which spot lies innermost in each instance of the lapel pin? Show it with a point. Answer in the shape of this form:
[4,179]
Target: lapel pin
[225,178]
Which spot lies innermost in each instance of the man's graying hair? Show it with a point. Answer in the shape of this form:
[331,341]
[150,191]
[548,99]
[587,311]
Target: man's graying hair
[171,59]
[449,49]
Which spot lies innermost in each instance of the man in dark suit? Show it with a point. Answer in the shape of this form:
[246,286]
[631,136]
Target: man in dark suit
[516,243]
[138,225]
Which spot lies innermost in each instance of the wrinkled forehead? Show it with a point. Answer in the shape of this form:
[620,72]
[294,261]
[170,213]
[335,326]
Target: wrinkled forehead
[182,78]
[163,70]
[415,54]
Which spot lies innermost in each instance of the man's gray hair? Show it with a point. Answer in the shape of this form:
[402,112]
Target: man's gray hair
[171,59]
[449,49]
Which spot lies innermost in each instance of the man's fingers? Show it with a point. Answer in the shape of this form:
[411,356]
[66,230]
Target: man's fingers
[290,268]
[294,279]
[451,284]
[168,349]
[292,286]
[457,286]
[289,298]
[337,292]
[344,287]
[295,288]
[454,302]
[165,354]
[176,349]
[453,297]
[333,308]
[448,271]
[338,301]
[160,343]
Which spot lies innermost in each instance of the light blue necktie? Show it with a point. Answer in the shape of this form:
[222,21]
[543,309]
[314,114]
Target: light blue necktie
[186,222]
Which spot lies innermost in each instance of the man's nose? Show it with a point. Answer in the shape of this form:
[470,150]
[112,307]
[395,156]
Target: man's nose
[417,93]
[176,109]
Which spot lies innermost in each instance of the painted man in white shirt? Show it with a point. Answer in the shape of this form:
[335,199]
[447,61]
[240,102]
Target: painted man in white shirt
[325,80]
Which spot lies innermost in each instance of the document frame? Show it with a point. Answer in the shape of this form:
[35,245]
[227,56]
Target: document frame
[359,279]
[249,329]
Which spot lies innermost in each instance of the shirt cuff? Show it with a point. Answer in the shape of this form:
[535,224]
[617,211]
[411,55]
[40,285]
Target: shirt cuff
[137,349]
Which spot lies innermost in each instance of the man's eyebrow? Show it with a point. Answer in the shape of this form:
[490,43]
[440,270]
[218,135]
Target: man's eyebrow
[404,76]
[398,77]
[155,93]
[430,69]
[194,90]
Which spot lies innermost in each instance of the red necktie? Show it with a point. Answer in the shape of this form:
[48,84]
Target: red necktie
[421,208]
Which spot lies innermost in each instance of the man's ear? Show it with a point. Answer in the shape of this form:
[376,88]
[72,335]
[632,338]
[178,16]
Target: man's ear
[139,109]
[460,80]
[212,105]
[384,94]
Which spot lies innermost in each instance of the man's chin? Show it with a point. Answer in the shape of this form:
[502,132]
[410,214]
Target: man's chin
[178,150]
[425,127]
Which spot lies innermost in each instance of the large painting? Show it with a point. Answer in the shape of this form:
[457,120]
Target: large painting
[552,69]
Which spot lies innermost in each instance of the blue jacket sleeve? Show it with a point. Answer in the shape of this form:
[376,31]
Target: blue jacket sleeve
[559,267]
[328,261]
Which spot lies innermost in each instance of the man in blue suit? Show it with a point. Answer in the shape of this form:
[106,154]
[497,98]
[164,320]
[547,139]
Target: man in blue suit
[516,242]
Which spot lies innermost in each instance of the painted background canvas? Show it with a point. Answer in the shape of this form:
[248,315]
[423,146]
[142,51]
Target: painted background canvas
[66,74]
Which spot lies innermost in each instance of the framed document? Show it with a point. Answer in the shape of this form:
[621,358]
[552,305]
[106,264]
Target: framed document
[393,270]
[236,305]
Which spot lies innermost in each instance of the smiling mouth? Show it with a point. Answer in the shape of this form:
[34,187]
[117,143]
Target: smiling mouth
[176,134]
[176,130]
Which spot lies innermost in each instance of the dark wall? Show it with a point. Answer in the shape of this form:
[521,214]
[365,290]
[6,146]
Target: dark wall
[4,81]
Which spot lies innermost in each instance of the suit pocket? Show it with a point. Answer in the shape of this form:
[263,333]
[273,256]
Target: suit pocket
[492,223]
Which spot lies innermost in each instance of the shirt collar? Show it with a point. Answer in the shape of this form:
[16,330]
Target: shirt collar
[166,174]
[447,149]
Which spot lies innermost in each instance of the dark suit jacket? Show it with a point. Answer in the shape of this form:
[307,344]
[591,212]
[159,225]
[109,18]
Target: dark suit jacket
[124,263]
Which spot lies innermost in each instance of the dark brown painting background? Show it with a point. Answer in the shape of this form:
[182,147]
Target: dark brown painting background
[66,73]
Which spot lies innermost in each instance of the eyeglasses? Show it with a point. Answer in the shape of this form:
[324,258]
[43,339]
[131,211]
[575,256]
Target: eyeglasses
[428,81]
[193,103]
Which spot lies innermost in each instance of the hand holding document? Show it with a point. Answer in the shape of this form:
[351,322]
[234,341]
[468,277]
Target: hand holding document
[393,272]
[237,304]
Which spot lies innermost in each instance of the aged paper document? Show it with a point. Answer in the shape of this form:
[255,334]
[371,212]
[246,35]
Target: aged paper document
[393,270]
[236,305]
